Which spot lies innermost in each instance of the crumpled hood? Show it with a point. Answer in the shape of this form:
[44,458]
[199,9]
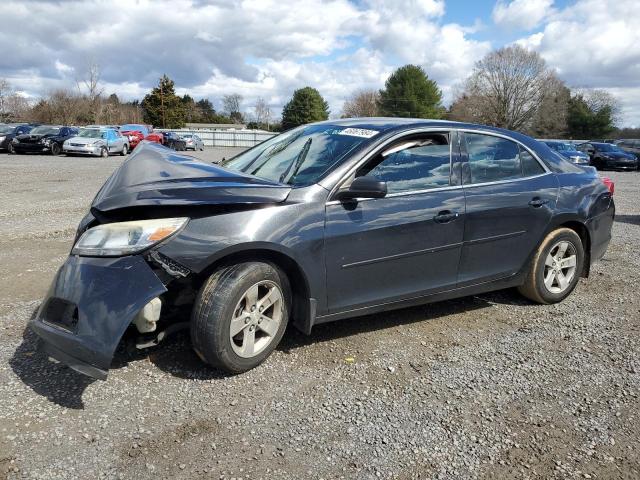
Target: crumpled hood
[156,175]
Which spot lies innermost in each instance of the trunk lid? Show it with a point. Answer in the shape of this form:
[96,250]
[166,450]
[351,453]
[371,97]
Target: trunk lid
[155,175]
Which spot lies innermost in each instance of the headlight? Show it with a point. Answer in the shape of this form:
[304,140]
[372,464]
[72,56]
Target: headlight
[2,138]
[124,238]
[46,141]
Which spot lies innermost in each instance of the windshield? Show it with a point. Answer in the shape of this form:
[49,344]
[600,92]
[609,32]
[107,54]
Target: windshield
[301,156]
[7,129]
[607,147]
[45,130]
[91,133]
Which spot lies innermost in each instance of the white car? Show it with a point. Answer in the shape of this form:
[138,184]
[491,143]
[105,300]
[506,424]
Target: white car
[193,142]
[99,142]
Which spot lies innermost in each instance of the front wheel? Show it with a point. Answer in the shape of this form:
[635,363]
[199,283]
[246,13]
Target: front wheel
[240,315]
[56,149]
[11,149]
[555,268]
[124,151]
[104,153]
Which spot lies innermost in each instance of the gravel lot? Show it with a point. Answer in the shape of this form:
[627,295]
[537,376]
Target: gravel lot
[490,386]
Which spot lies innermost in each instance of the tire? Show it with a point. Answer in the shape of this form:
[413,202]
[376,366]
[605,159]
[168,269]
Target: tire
[545,264]
[223,297]
[56,149]
[11,149]
[104,153]
[125,150]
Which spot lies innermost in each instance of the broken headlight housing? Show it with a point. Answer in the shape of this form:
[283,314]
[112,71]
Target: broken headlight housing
[125,238]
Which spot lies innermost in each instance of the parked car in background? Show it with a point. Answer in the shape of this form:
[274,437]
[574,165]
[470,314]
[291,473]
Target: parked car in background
[193,141]
[321,223]
[9,131]
[630,145]
[135,133]
[174,141]
[155,137]
[43,139]
[98,142]
[607,155]
[568,151]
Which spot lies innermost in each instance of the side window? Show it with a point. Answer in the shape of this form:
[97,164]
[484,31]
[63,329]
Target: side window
[418,163]
[530,166]
[492,158]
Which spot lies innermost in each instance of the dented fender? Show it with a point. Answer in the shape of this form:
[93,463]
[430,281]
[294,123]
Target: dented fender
[90,304]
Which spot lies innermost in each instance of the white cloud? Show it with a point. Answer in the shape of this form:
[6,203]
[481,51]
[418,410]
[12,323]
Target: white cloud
[594,44]
[521,14]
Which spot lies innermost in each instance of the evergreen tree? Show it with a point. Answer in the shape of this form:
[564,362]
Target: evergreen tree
[588,119]
[409,92]
[306,105]
[162,107]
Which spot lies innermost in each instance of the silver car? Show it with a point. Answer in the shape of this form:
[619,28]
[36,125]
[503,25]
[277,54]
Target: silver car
[99,142]
[194,142]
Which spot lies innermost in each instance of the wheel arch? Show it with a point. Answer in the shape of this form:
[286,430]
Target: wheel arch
[581,229]
[303,306]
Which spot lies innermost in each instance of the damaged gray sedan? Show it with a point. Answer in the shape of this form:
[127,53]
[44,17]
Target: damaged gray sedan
[327,221]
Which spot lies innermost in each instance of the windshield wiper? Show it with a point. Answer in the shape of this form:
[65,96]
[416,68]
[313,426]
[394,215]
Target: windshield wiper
[297,161]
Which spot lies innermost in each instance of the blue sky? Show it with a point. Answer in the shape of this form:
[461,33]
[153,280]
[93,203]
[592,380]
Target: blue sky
[268,48]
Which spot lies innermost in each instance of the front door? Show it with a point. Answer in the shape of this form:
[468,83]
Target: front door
[406,244]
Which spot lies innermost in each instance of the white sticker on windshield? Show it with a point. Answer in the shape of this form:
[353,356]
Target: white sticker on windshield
[358,132]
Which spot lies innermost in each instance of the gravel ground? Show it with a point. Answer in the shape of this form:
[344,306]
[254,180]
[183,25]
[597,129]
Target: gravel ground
[490,386]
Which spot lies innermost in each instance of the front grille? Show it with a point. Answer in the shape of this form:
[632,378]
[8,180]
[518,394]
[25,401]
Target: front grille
[77,145]
[61,313]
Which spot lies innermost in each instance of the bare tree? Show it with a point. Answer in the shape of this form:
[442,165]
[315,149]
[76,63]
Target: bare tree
[262,112]
[508,86]
[550,119]
[90,86]
[5,92]
[597,100]
[231,105]
[363,103]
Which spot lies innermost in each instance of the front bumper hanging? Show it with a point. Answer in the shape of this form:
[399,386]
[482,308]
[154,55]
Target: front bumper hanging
[90,304]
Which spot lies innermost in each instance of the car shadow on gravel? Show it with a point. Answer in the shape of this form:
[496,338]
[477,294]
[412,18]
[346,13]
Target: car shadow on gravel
[175,355]
[631,219]
[54,381]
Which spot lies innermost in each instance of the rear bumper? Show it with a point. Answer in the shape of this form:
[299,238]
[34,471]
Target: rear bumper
[600,231]
[90,304]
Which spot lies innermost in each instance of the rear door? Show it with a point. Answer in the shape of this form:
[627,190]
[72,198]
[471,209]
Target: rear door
[406,244]
[510,198]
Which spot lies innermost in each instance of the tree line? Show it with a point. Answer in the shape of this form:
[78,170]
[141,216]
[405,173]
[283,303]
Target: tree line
[512,88]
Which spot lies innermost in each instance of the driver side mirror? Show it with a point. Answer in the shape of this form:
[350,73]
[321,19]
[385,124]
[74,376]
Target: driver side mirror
[363,187]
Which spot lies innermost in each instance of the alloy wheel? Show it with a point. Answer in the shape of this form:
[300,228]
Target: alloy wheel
[560,266]
[256,319]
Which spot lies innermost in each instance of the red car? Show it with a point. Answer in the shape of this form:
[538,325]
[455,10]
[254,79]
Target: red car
[156,137]
[135,133]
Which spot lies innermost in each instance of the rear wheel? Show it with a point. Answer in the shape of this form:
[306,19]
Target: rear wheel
[555,268]
[240,315]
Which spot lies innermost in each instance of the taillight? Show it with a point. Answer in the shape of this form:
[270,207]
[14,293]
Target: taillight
[609,184]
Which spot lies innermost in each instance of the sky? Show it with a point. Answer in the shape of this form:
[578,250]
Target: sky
[268,48]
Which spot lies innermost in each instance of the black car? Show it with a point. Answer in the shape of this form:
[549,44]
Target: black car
[174,141]
[8,133]
[630,145]
[44,139]
[608,156]
[324,222]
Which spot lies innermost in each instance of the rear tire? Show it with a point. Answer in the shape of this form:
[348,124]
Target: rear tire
[555,268]
[240,315]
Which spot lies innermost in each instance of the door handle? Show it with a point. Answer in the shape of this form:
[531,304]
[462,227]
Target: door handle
[446,216]
[537,202]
